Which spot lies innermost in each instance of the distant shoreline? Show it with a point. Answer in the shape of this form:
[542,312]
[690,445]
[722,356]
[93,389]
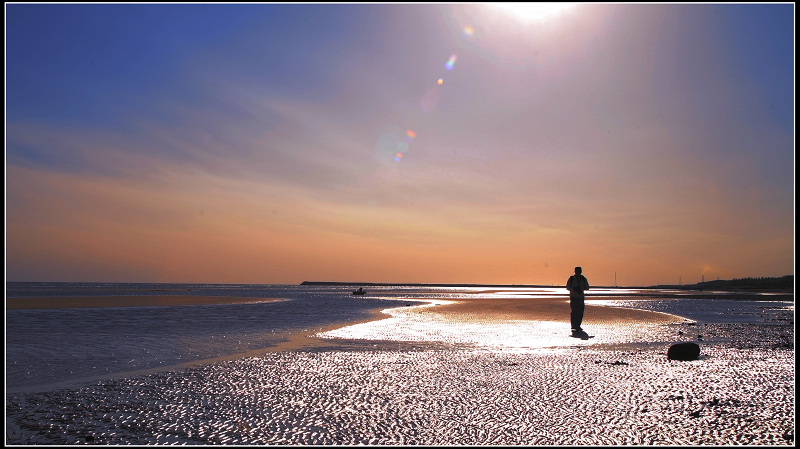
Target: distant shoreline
[731,292]
[81,302]
[419,284]
[783,284]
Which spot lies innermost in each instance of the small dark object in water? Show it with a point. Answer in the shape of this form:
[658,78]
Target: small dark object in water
[683,351]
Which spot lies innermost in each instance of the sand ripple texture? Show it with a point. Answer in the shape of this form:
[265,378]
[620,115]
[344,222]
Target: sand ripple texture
[734,394]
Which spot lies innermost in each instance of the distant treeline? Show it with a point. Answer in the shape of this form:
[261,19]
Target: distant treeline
[784,284]
[764,283]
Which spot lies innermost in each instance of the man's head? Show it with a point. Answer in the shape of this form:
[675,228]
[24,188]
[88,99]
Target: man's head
[578,270]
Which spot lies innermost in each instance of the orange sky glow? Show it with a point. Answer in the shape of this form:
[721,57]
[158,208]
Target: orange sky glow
[423,143]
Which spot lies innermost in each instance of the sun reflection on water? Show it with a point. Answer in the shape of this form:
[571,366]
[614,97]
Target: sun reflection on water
[504,324]
[406,323]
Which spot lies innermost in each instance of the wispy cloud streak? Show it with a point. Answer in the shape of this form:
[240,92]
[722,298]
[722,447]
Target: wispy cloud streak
[623,138]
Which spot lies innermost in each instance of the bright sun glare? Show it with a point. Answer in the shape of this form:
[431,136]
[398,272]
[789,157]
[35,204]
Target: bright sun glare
[532,12]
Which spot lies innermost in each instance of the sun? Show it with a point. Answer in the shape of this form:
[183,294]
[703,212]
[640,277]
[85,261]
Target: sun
[527,12]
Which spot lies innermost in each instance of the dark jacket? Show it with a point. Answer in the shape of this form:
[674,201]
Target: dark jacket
[576,285]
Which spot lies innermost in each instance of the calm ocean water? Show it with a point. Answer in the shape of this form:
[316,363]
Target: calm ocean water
[46,348]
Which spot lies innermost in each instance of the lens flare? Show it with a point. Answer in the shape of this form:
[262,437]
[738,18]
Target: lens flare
[450,62]
[393,144]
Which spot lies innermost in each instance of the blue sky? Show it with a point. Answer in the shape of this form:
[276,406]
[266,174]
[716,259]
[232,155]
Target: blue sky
[272,142]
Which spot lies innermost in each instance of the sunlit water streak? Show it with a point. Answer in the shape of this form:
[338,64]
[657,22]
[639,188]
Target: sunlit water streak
[45,347]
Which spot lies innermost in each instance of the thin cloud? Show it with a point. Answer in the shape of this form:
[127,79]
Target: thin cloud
[626,136]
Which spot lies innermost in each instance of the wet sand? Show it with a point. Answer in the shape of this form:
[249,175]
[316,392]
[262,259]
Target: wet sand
[453,374]
[543,309]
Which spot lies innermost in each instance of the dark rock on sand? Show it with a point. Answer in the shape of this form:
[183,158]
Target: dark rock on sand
[683,351]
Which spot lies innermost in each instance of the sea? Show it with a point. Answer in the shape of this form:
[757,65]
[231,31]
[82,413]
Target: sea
[66,347]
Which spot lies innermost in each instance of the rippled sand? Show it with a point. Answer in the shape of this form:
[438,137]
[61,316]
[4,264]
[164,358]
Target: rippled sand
[458,376]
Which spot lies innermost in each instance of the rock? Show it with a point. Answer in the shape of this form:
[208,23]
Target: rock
[683,351]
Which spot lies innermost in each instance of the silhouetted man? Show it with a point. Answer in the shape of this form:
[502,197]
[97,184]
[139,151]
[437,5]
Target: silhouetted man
[576,285]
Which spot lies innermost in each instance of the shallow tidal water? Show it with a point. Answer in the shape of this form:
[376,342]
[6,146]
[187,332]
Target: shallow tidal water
[453,387]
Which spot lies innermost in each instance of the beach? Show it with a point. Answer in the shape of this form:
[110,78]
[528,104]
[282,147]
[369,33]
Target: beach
[463,368]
